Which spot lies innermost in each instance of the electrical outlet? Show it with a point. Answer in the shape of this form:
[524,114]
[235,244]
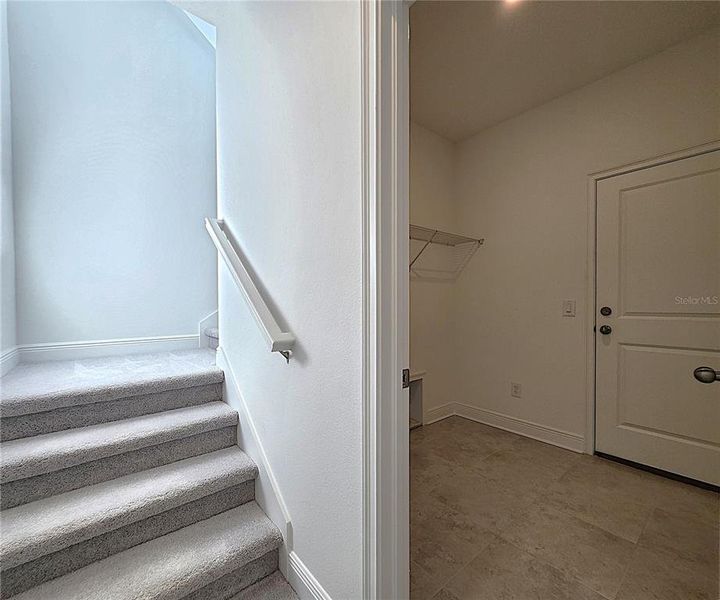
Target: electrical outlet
[568,308]
[515,390]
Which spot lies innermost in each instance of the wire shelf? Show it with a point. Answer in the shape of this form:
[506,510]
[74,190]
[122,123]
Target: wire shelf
[439,255]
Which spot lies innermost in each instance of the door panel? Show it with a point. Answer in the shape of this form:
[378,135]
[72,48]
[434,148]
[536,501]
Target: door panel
[658,268]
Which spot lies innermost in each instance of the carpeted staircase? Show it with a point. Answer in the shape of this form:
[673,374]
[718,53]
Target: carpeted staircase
[120,479]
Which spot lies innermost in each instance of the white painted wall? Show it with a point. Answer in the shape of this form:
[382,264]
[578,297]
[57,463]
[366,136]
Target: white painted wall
[290,192]
[432,175]
[523,186]
[114,170]
[7,299]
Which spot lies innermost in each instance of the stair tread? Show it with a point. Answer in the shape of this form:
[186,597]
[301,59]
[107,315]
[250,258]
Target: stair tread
[38,387]
[173,565]
[51,524]
[49,452]
[273,587]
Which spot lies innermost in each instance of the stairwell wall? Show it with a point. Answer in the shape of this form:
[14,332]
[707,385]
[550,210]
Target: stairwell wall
[290,193]
[7,301]
[114,171]
[432,205]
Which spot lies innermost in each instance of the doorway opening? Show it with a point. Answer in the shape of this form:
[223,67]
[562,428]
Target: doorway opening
[563,162]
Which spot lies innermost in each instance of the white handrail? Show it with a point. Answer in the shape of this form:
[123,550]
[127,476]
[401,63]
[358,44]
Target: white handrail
[278,340]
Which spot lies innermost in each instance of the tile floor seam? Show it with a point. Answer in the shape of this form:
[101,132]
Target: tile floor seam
[447,580]
[623,562]
[627,569]
[552,566]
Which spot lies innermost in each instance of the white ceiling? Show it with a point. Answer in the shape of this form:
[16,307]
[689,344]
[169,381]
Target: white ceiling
[474,64]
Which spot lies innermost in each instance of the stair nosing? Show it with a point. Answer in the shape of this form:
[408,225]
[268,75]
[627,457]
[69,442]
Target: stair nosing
[171,566]
[54,457]
[16,406]
[29,532]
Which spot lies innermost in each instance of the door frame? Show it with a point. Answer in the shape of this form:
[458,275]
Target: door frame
[593,180]
[384,55]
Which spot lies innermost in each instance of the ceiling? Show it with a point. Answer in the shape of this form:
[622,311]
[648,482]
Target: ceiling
[474,64]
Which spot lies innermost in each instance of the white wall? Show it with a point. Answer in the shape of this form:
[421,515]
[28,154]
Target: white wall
[290,192]
[431,310]
[7,299]
[523,186]
[114,170]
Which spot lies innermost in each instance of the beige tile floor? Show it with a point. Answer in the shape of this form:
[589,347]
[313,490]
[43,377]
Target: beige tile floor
[496,516]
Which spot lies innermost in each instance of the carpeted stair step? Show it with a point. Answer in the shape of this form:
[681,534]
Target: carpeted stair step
[53,463]
[273,587]
[209,560]
[46,397]
[51,537]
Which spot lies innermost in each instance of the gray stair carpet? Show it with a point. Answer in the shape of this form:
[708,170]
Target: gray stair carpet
[118,486]
[38,387]
[273,587]
[40,398]
[174,565]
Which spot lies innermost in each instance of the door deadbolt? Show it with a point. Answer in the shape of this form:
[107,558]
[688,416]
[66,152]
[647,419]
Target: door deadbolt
[606,311]
[605,329]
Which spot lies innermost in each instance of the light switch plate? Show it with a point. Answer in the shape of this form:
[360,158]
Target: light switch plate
[568,308]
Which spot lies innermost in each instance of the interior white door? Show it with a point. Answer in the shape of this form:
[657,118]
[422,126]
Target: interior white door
[658,272]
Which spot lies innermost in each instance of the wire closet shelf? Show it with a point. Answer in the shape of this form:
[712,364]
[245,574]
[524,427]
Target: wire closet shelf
[439,255]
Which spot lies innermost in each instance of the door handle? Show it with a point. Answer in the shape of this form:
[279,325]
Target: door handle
[706,375]
[605,329]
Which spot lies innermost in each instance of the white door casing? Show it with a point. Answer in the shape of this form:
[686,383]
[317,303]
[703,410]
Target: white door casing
[385,135]
[658,269]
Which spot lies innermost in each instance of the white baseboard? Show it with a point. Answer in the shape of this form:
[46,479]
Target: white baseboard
[303,581]
[267,490]
[543,433]
[97,348]
[210,321]
[438,413]
[8,359]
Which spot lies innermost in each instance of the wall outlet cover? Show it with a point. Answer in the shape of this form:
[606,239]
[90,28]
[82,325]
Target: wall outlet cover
[515,390]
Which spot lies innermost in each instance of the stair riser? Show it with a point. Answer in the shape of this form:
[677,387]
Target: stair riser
[22,491]
[28,575]
[236,581]
[12,428]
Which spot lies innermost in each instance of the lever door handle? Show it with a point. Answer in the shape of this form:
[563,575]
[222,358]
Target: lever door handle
[706,375]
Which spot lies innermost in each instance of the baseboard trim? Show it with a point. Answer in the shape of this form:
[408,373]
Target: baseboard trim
[303,581]
[97,348]
[543,433]
[439,413]
[9,359]
[267,489]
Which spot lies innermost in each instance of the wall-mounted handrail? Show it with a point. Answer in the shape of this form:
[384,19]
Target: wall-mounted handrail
[278,340]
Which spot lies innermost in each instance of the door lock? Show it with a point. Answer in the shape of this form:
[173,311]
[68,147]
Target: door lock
[605,329]
[606,311]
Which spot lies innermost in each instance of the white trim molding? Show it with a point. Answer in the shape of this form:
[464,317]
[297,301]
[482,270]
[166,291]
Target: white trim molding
[115,347]
[439,413]
[267,489]
[303,581]
[385,147]
[536,431]
[9,359]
